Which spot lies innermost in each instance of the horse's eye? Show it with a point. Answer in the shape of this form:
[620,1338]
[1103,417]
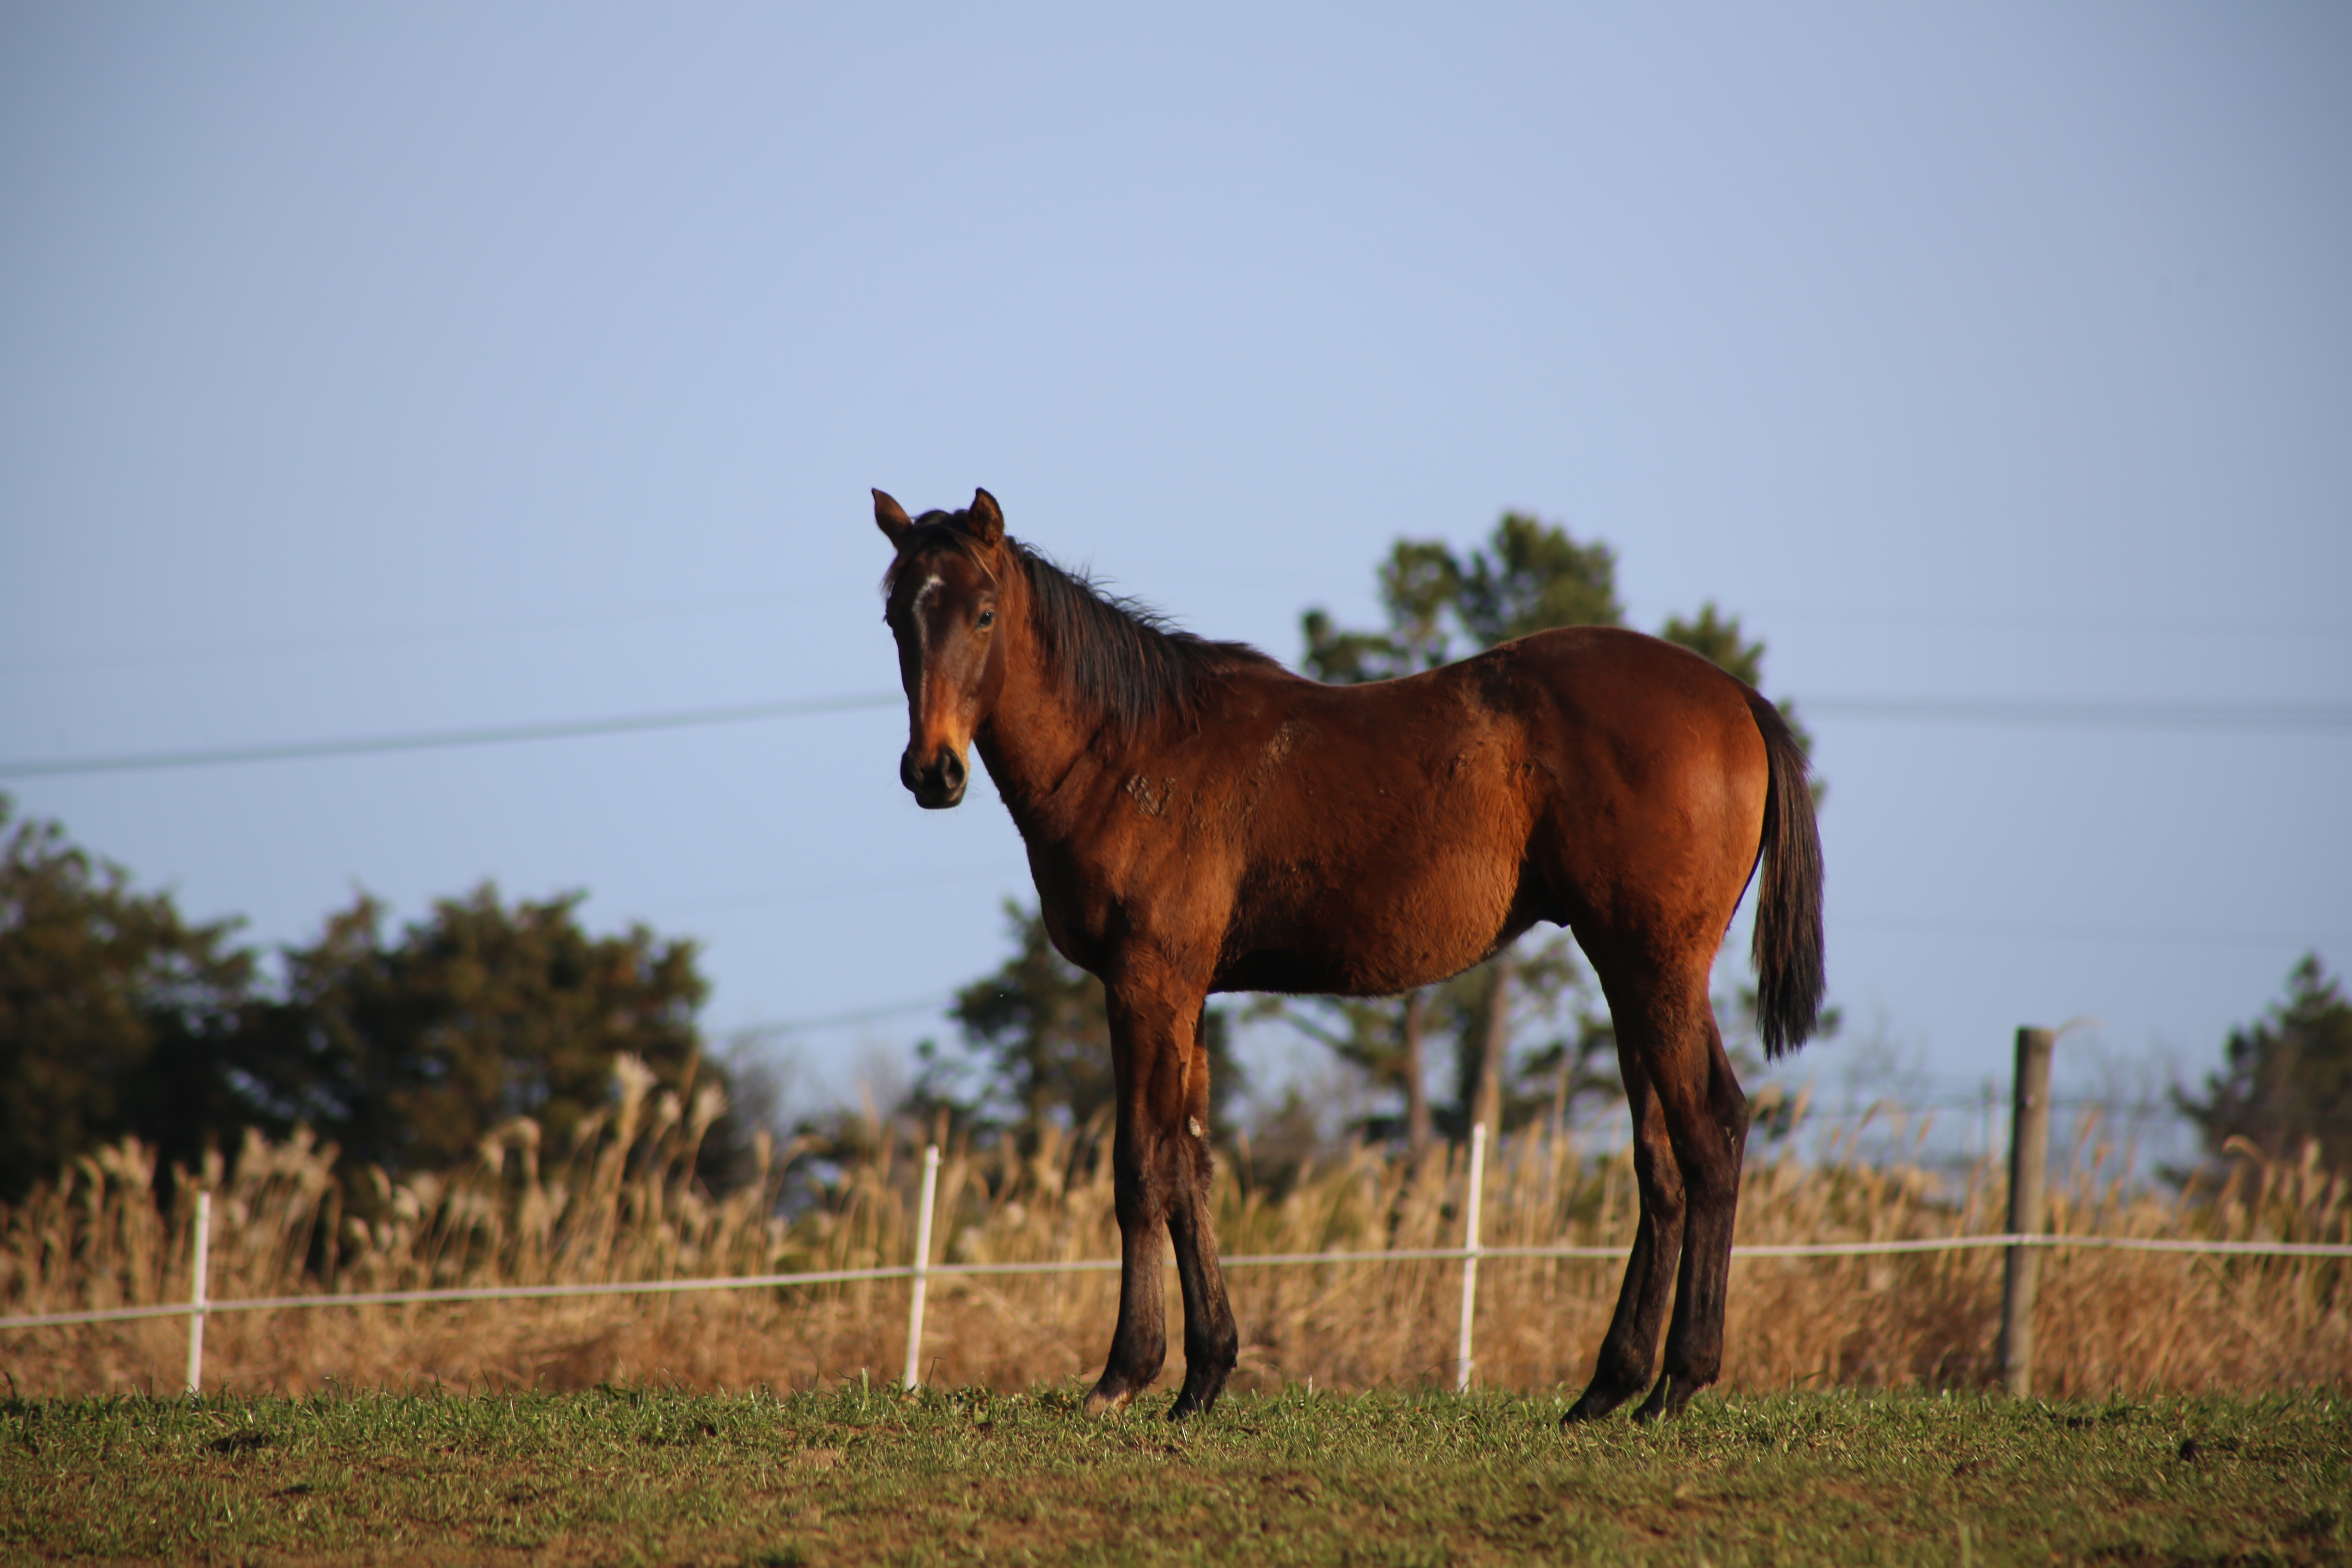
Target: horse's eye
[987,619]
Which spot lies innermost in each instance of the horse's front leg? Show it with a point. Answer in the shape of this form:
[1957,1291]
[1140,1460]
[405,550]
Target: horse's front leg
[1159,1177]
[1211,1339]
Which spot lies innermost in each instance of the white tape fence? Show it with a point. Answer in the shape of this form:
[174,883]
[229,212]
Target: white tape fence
[920,1270]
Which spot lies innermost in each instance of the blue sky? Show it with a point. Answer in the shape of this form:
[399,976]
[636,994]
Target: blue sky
[366,373]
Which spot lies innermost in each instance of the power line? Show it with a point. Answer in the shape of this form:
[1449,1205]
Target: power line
[1937,926]
[935,1001]
[441,739]
[2277,718]
[1757,617]
[2248,718]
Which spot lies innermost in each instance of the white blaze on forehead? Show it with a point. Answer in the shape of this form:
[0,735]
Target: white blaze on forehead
[915,610]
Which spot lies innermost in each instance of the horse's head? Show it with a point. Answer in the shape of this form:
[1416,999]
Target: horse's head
[943,602]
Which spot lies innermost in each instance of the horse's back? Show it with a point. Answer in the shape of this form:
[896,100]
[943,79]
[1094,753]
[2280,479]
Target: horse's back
[1400,830]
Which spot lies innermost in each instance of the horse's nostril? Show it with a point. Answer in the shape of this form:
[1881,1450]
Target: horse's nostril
[951,769]
[908,774]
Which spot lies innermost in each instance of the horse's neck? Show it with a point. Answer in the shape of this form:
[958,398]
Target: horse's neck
[1040,748]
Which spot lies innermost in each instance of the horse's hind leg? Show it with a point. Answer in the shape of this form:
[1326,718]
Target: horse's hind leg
[1211,1341]
[1631,1347]
[1706,1118]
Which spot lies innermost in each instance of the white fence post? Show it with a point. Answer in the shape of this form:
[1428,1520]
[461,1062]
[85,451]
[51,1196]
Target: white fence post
[922,1267]
[1470,1259]
[196,1292]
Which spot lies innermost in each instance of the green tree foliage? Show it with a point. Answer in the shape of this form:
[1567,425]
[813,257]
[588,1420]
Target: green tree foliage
[118,1017]
[1561,1052]
[115,1012]
[1716,639]
[1385,1038]
[407,1050]
[2286,1079]
[1035,1045]
[1559,1047]
[1531,577]
[1526,576]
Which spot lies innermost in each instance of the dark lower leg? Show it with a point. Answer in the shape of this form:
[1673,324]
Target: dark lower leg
[1630,1348]
[1139,1343]
[1212,1343]
[1710,1138]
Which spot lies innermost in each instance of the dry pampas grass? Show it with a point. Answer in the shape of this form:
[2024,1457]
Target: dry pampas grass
[622,1205]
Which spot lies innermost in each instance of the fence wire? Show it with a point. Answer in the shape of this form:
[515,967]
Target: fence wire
[199,1306]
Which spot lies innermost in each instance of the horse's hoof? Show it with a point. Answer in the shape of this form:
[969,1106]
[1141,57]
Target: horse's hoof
[1106,1401]
[1595,1404]
[1196,1400]
[1662,1402]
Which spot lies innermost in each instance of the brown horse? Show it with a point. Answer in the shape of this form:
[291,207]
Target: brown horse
[1200,819]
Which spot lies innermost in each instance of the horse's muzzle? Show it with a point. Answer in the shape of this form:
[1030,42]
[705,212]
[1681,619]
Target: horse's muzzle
[937,783]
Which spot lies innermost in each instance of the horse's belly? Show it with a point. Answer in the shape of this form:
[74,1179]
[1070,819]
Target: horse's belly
[1387,928]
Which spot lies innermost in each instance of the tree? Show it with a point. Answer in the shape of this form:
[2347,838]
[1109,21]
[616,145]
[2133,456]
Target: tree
[1419,584]
[116,1012]
[1382,1036]
[1719,640]
[407,1052]
[118,1017]
[1527,576]
[1543,992]
[2286,1079]
[1387,1038]
[1035,1045]
[1530,577]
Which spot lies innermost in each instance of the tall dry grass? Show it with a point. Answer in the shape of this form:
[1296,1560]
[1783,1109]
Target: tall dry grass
[622,1205]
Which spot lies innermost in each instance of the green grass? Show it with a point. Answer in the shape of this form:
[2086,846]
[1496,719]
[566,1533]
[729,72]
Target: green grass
[646,1476]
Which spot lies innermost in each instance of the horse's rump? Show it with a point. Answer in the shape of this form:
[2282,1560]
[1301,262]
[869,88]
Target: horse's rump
[1587,777]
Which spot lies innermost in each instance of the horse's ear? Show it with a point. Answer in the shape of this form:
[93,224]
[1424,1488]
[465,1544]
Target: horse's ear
[892,520]
[985,520]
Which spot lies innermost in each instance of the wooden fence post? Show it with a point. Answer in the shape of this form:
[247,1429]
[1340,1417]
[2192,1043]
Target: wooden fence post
[2029,1157]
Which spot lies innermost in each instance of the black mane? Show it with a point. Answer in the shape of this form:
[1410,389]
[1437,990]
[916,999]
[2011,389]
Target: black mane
[1119,658]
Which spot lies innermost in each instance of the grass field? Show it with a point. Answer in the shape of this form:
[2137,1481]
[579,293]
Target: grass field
[858,1476]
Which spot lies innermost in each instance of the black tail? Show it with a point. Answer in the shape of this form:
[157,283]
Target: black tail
[1789,971]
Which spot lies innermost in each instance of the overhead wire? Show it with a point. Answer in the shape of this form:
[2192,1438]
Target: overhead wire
[2272,716]
[2033,931]
[2266,718]
[925,1004]
[437,740]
